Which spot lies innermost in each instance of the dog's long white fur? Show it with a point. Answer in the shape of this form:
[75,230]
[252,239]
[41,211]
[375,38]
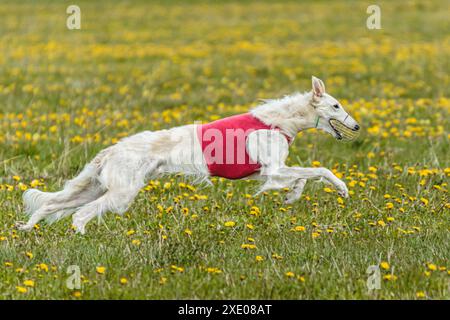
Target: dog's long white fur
[114,177]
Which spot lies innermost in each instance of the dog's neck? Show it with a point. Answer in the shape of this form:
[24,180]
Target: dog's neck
[290,114]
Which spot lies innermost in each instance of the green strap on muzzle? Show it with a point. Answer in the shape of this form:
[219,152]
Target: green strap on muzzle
[317,121]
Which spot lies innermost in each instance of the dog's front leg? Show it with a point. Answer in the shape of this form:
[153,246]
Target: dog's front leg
[296,192]
[315,173]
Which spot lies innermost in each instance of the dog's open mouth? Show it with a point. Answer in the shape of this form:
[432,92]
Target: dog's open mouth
[342,131]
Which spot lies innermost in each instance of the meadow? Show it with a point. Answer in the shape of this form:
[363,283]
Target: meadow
[141,65]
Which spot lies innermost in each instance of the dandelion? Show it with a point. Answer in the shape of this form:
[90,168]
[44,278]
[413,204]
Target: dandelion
[100,270]
[123,281]
[229,224]
[188,231]
[162,280]
[76,294]
[299,228]
[276,256]
[213,270]
[432,267]
[259,258]
[316,164]
[28,283]
[420,294]
[290,274]
[43,267]
[21,289]
[390,277]
[384,265]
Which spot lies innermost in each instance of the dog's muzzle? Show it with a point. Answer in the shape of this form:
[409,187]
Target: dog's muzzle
[343,132]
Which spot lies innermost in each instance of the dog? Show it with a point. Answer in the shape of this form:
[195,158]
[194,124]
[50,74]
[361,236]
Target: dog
[111,181]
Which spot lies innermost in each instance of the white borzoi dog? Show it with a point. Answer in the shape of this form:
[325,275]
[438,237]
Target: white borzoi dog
[114,177]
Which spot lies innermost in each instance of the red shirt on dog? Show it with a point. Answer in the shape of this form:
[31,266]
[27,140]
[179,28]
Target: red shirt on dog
[224,144]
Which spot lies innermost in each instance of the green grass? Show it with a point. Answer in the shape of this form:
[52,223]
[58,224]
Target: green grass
[65,95]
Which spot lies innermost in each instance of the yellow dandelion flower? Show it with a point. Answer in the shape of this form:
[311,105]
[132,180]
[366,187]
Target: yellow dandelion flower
[290,274]
[76,294]
[100,269]
[248,246]
[162,280]
[384,265]
[43,267]
[432,267]
[420,294]
[229,224]
[28,283]
[389,277]
[21,289]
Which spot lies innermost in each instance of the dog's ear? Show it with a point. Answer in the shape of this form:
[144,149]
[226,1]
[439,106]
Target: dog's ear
[318,87]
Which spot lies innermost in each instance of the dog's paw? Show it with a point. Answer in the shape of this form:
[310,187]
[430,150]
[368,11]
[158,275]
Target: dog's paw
[78,227]
[22,226]
[290,199]
[342,190]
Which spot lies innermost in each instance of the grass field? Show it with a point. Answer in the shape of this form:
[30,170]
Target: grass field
[133,66]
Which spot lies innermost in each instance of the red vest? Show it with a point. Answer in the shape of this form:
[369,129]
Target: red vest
[224,145]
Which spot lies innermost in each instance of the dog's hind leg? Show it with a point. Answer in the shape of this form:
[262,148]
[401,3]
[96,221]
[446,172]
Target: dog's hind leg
[116,201]
[123,183]
[35,199]
[49,210]
[53,206]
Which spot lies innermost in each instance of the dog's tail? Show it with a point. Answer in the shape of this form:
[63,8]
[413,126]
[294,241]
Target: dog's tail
[82,189]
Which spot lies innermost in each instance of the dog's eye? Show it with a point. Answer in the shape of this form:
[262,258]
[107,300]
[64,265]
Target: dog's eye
[336,106]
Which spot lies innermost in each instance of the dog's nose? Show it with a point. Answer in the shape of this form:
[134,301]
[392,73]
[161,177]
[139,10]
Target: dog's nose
[356,128]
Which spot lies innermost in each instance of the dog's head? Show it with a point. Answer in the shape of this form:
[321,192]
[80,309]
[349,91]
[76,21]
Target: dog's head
[330,115]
